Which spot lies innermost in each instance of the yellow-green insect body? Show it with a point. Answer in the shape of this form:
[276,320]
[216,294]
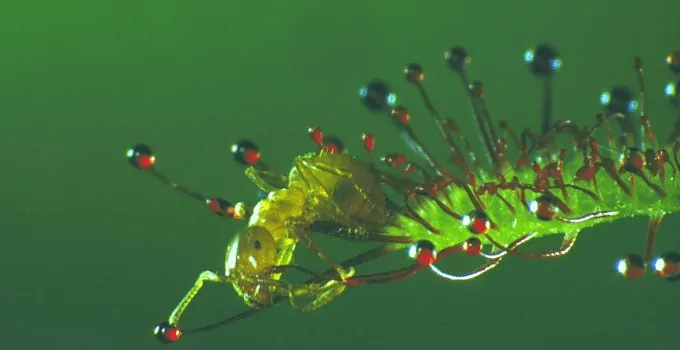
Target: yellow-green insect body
[321,186]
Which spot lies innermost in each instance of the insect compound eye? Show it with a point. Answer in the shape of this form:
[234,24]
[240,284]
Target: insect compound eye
[376,96]
[257,245]
[457,58]
[477,222]
[668,266]
[632,266]
[543,60]
[140,156]
[423,252]
[246,152]
[543,207]
[167,333]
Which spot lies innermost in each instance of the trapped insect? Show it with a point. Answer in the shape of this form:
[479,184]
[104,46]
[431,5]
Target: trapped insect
[531,187]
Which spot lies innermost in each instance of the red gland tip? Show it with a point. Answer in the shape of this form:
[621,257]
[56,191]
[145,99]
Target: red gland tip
[473,246]
[145,162]
[167,333]
[251,156]
[425,257]
[330,148]
[172,334]
[315,135]
[353,282]
[369,141]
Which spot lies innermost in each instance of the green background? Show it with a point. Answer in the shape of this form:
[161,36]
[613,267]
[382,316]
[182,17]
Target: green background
[94,254]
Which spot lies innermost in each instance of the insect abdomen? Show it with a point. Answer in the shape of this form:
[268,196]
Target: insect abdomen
[341,189]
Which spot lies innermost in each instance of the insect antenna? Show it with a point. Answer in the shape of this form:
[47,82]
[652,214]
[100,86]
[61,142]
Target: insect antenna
[141,157]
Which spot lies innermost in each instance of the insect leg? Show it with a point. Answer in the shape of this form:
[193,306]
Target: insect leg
[265,179]
[322,294]
[285,255]
[334,287]
[286,251]
[324,298]
[383,277]
[362,258]
[205,276]
[312,245]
